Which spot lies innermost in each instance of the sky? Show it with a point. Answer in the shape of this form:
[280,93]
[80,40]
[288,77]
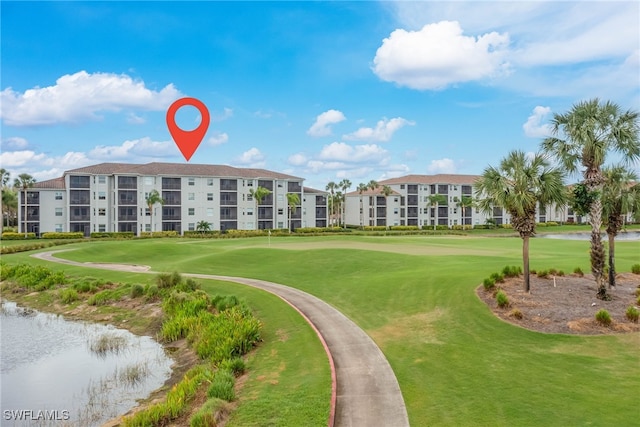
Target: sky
[320,90]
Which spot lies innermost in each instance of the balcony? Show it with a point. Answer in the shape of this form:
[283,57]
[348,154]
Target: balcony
[171,184]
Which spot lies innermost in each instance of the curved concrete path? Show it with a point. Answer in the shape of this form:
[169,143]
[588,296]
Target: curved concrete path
[366,390]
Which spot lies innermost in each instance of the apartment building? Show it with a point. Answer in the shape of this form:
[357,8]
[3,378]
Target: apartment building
[111,197]
[410,204]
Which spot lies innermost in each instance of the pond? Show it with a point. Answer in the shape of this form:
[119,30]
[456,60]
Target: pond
[55,372]
[622,236]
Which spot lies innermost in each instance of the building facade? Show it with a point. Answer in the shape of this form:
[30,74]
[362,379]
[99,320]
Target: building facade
[111,197]
[411,203]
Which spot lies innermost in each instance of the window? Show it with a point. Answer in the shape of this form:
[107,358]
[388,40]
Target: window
[280,198]
[395,211]
[147,212]
[58,195]
[102,228]
[192,226]
[209,211]
[58,228]
[147,227]
[58,211]
[250,211]
[210,197]
[280,211]
[192,211]
[402,186]
[102,179]
[102,212]
[249,197]
[191,196]
[210,182]
[250,183]
[191,181]
[102,195]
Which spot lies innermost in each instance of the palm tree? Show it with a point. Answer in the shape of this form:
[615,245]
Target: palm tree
[372,185]
[345,184]
[203,226]
[153,198]
[464,203]
[619,198]
[386,191]
[258,195]
[331,188]
[518,185]
[6,176]
[361,189]
[24,181]
[10,204]
[293,200]
[581,140]
[434,201]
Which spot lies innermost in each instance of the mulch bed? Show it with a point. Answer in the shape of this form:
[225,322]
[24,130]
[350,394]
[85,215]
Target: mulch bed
[565,304]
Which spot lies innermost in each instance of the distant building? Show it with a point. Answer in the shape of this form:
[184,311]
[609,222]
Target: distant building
[111,197]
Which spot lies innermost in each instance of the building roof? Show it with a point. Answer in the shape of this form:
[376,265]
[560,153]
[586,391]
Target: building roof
[314,190]
[179,169]
[50,184]
[433,179]
[375,192]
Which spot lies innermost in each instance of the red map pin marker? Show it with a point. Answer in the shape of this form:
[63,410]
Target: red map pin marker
[187,140]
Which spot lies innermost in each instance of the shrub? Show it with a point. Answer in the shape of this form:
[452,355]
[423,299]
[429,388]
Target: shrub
[497,277]
[578,272]
[488,283]
[210,413]
[8,235]
[68,295]
[637,291]
[157,234]
[603,317]
[236,366]
[116,235]
[222,386]
[63,235]
[553,272]
[152,292]
[137,290]
[560,273]
[502,299]
[543,274]
[635,268]
[511,271]
[632,314]
[166,280]
[515,313]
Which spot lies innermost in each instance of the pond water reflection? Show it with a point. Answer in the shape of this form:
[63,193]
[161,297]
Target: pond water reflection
[74,373]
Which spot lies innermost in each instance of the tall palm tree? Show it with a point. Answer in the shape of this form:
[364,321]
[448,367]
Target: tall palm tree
[203,226]
[331,188]
[361,189]
[6,176]
[434,201]
[372,185]
[258,195]
[345,184]
[464,203]
[386,191]
[518,185]
[23,182]
[619,198]
[293,200]
[153,198]
[581,140]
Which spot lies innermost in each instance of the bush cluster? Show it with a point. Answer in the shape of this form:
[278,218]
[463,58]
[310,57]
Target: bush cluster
[113,235]
[9,235]
[511,271]
[632,314]
[62,235]
[502,299]
[158,234]
[603,317]
[32,277]
[635,268]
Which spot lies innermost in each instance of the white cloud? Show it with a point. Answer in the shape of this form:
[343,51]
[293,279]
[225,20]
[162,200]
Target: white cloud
[297,159]
[218,138]
[383,131]
[10,159]
[14,143]
[442,166]
[322,125]
[440,55]
[219,117]
[251,158]
[135,119]
[394,171]
[346,153]
[143,147]
[534,127]
[81,96]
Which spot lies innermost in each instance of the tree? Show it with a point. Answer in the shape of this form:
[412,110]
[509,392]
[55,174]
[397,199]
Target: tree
[386,191]
[151,199]
[203,226]
[518,185]
[293,200]
[6,176]
[331,188]
[434,201]
[10,205]
[345,184]
[372,185]
[23,182]
[619,198]
[361,189]
[464,203]
[581,140]
[258,195]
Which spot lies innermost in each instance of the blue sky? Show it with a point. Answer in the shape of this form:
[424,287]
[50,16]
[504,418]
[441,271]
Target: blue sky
[321,90]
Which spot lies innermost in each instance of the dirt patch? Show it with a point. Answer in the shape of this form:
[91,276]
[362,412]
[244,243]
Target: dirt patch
[566,304]
[420,327]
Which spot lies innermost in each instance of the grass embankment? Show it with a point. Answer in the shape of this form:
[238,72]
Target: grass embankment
[220,330]
[456,363]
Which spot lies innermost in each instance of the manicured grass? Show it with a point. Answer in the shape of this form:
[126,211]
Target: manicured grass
[457,364]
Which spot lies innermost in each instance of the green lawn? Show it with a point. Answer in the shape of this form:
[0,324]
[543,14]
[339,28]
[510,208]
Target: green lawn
[456,363]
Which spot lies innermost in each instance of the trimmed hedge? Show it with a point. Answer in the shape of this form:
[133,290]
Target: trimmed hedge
[9,235]
[311,230]
[147,234]
[116,235]
[65,235]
